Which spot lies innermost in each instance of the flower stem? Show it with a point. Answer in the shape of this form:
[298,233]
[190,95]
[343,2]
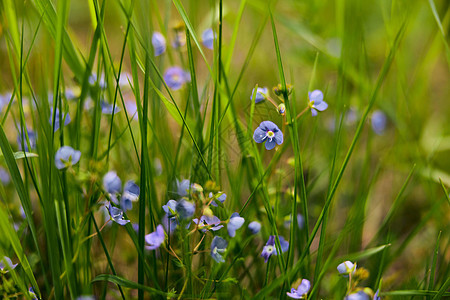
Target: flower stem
[300,114]
[272,101]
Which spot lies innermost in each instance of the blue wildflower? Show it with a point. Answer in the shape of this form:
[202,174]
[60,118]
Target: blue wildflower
[101,83]
[379,121]
[270,133]
[4,176]
[112,183]
[301,290]
[64,117]
[175,77]
[360,295]
[117,215]
[254,227]
[316,102]
[270,248]
[131,110]
[261,94]
[221,199]
[208,37]
[183,187]
[126,204]
[6,264]
[125,79]
[218,246]
[346,268]
[66,156]
[208,223]
[300,221]
[22,138]
[155,239]
[234,224]
[130,194]
[185,209]
[376,297]
[32,293]
[107,108]
[4,100]
[170,208]
[159,43]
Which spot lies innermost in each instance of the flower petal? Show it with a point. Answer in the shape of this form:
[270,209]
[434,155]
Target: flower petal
[321,106]
[270,144]
[259,135]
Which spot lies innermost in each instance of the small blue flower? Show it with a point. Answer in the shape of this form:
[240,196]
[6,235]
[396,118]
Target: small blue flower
[316,102]
[64,117]
[155,239]
[208,37]
[221,198]
[301,290]
[183,187]
[31,137]
[32,293]
[346,268]
[66,156]
[125,79]
[107,108]
[208,223]
[270,248]
[126,204]
[376,297]
[234,224]
[112,183]
[357,296]
[270,133]
[117,215]
[261,94]
[169,220]
[185,209]
[4,176]
[379,121]
[254,227]
[300,221]
[175,77]
[93,80]
[131,191]
[4,100]
[170,208]
[159,43]
[6,264]
[218,246]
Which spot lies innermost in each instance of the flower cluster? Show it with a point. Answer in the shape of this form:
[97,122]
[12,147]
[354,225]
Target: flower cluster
[113,187]
[268,132]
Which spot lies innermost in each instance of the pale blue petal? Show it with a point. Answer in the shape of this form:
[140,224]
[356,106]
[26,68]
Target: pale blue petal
[270,144]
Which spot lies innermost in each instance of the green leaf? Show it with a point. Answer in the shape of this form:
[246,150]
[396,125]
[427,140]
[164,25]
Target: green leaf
[131,285]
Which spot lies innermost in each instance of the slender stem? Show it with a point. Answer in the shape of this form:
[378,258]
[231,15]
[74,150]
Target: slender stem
[267,273]
[272,101]
[300,114]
